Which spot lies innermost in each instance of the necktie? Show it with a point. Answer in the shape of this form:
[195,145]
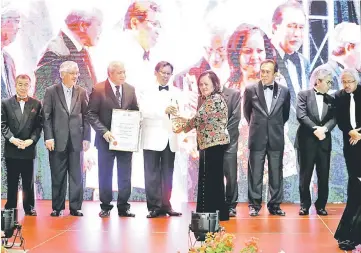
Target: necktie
[295,59]
[117,94]
[352,111]
[163,87]
[22,99]
[265,87]
[319,93]
[146,56]
[68,98]
[88,63]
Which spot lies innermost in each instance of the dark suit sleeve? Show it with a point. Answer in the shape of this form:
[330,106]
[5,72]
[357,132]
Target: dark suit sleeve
[86,125]
[332,122]
[301,111]
[286,107]
[5,130]
[247,104]
[342,115]
[235,117]
[135,105]
[35,135]
[48,115]
[92,113]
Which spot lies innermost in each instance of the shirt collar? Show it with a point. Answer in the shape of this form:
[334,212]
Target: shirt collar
[71,36]
[66,88]
[113,84]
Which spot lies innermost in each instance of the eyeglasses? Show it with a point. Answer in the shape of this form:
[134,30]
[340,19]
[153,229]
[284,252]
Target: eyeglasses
[164,73]
[347,81]
[155,24]
[74,73]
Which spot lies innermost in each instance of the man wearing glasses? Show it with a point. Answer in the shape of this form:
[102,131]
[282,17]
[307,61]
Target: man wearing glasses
[348,114]
[316,114]
[66,135]
[159,103]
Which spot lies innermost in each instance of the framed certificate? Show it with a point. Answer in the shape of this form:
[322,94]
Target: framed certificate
[125,128]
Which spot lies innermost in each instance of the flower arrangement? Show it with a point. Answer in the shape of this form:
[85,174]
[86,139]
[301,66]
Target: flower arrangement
[357,249]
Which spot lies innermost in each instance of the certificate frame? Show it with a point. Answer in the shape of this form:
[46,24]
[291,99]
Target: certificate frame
[126,130]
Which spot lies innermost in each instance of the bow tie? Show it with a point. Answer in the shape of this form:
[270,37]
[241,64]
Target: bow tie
[163,87]
[18,99]
[319,93]
[265,87]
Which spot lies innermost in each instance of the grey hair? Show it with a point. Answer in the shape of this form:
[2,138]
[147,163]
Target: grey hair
[352,72]
[319,73]
[83,15]
[67,65]
[114,64]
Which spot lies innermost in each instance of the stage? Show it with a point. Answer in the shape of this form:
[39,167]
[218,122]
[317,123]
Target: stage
[292,233]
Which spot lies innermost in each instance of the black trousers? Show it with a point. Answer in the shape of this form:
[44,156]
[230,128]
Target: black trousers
[25,169]
[158,176]
[349,226]
[230,173]
[211,195]
[65,164]
[105,173]
[255,177]
[307,159]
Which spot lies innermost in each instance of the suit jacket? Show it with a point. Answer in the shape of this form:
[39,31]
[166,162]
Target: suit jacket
[61,49]
[26,125]
[342,103]
[157,125]
[266,130]
[101,104]
[60,123]
[308,116]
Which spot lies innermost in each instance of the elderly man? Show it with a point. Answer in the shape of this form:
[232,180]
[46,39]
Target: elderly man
[315,112]
[82,29]
[114,93]
[21,125]
[66,135]
[10,20]
[348,115]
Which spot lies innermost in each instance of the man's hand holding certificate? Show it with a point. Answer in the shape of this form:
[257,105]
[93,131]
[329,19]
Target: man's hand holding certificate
[125,130]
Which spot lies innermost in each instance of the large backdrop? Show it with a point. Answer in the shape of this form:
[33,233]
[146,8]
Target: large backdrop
[229,36]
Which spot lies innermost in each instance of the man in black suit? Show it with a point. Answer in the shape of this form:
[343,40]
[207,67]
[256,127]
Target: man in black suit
[316,114]
[66,135]
[81,30]
[114,93]
[348,115]
[266,109]
[21,125]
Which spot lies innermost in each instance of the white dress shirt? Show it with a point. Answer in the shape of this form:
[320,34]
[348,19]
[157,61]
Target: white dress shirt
[319,101]
[352,111]
[115,89]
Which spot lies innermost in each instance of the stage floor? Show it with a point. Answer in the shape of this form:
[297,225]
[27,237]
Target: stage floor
[292,233]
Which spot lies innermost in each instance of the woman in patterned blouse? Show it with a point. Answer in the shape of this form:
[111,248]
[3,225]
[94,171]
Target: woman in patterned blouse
[210,122]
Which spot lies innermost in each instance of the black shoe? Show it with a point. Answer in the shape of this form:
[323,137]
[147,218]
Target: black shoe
[232,212]
[153,214]
[253,211]
[303,211]
[126,214]
[76,213]
[56,213]
[104,213]
[276,211]
[31,212]
[346,245]
[171,212]
[322,212]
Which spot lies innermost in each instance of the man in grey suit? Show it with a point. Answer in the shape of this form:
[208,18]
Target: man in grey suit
[66,135]
[114,93]
[266,109]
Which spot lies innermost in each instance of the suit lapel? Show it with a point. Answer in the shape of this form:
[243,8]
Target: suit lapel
[110,93]
[61,95]
[325,107]
[262,99]
[74,98]
[17,109]
[26,113]
[276,94]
